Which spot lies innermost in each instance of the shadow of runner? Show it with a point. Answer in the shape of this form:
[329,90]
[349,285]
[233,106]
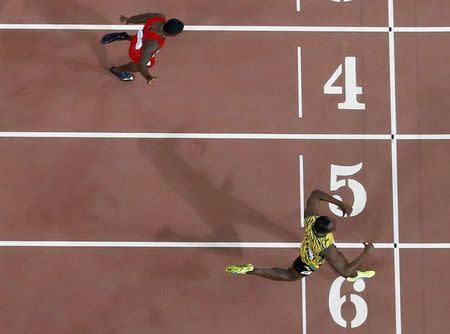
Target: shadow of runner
[34,91]
[57,12]
[215,205]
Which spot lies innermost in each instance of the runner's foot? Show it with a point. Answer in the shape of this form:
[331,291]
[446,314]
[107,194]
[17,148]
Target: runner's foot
[122,75]
[362,275]
[239,268]
[114,36]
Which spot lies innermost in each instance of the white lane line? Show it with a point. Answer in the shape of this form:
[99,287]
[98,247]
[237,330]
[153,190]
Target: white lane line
[398,296]
[160,135]
[304,328]
[391,13]
[194,28]
[45,26]
[132,27]
[353,245]
[178,135]
[298,5]
[421,29]
[299,81]
[302,190]
[394,171]
[392,81]
[200,244]
[149,244]
[424,137]
[434,245]
[394,158]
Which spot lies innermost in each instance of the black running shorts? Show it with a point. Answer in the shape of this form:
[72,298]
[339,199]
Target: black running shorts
[301,267]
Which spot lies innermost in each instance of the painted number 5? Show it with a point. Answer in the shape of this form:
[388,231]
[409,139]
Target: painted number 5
[359,193]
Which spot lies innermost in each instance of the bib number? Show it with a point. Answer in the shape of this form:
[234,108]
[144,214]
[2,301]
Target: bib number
[310,254]
[140,36]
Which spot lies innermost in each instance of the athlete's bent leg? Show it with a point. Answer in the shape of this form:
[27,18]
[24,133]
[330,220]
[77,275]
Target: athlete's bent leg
[277,274]
[129,67]
[124,72]
[115,36]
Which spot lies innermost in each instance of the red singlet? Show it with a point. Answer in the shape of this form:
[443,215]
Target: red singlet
[145,34]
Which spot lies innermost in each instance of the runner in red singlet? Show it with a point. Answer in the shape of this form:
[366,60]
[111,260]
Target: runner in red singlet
[145,44]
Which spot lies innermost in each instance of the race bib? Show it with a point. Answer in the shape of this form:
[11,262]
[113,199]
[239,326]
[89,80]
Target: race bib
[140,36]
[310,253]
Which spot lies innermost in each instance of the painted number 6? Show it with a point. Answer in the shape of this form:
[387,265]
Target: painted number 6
[335,302]
[359,193]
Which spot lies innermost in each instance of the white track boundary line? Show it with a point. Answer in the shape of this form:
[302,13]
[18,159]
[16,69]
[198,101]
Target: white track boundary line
[299,82]
[228,28]
[394,158]
[160,135]
[298,5]
[204,244]
[302,190]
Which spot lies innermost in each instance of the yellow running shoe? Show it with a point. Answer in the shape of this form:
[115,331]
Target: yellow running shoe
[239,268]
[362,275]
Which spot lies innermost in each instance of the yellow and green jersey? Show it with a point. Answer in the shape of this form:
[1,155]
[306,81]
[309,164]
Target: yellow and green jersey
[313,245]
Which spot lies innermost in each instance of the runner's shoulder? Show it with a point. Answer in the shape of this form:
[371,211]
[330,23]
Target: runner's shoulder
[310,219]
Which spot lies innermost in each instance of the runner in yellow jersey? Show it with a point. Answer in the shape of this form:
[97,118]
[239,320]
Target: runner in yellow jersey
[317,247]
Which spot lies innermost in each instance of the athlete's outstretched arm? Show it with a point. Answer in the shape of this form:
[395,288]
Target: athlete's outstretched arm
[148,49]
[313,203]
[138,19]
[340,263]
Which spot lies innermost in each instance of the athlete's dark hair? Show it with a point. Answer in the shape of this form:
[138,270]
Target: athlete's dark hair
[173,27]
[321,224]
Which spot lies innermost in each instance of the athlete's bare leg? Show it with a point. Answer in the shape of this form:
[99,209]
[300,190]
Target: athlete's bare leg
[277,274]
[123,72]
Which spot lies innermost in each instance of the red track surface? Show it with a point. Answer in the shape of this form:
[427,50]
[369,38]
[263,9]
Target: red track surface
[218,190]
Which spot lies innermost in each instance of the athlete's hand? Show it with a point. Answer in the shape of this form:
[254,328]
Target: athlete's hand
[152,80]
[368,247]
[123,19]
[346,209]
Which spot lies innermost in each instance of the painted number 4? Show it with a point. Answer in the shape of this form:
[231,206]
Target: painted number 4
[351,89]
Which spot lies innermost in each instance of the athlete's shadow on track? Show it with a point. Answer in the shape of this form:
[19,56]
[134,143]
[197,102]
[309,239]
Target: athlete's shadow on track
[216,205]
[65,12]
[22,47]
[81,199]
